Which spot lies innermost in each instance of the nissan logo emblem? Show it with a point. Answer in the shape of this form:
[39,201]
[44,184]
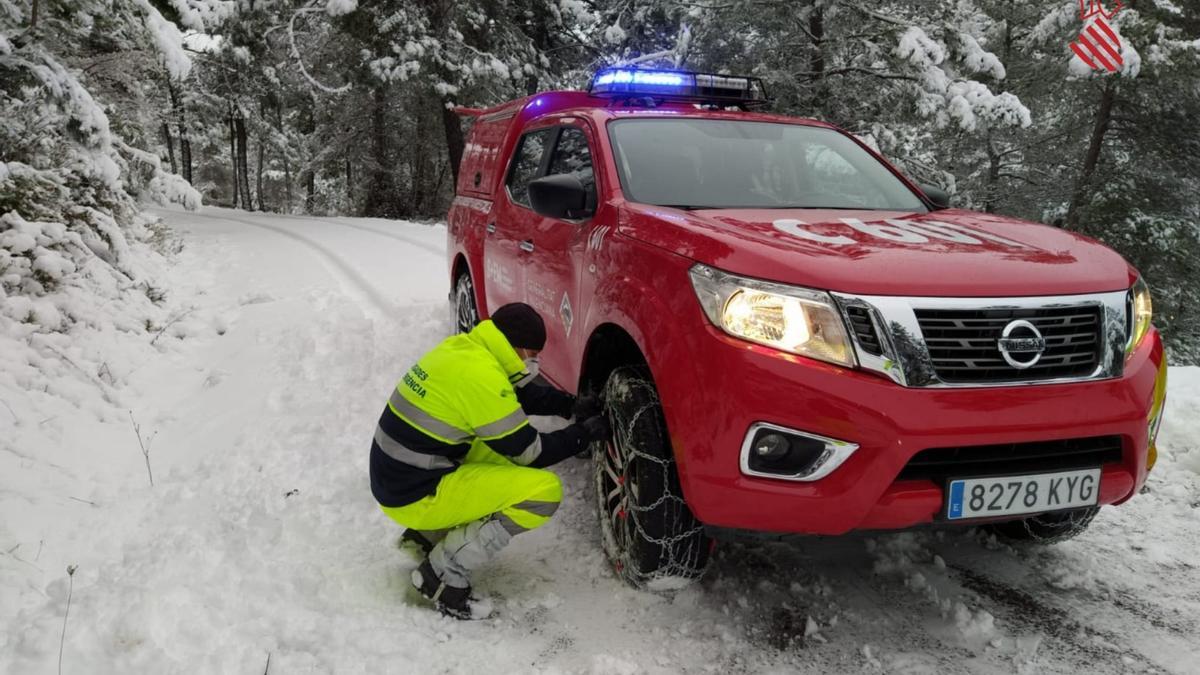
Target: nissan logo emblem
[1021,338]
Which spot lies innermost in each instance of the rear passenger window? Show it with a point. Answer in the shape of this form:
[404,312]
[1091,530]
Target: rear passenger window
[526,165]
[571,156]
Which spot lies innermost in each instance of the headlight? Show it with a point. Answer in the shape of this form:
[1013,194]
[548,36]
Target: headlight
[1140,311]
[789,318]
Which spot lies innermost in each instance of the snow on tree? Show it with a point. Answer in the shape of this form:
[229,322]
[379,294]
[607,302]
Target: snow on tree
[71,226]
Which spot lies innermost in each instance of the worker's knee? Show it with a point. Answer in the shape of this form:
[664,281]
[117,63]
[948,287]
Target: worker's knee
[544,486]
[541,496]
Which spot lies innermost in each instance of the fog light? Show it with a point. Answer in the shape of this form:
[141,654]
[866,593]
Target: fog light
[771,446]
[772,451]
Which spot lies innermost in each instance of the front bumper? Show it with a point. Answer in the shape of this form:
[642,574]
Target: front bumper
[709,410]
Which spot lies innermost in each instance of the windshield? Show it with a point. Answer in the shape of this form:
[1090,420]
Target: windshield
[699,163]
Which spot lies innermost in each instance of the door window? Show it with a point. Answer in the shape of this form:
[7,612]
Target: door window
[572,157]
[527,164]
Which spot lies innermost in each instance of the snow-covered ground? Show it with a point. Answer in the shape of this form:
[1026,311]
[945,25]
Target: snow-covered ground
[259,540]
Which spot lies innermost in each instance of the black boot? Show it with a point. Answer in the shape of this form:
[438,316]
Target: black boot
[415,538]
[453,601]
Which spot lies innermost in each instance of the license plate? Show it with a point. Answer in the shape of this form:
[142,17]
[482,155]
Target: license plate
[1017,495]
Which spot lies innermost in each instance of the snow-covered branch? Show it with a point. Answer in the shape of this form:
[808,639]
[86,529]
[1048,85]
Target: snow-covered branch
[300,61]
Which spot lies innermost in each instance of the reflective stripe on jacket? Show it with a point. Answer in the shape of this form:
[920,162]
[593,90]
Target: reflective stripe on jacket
[471,388]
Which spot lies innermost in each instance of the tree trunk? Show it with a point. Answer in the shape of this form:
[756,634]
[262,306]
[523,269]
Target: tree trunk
[310,188]
[454,137]
[416,198]
[233,157]
[308,171]
[992,188]
[451,127]
[243,164]
[349,183]
[166,132]
[1090,161]
[185,156]
[287,184]
[258,176]
[816,64]
[538,29]
[287,162]
[381,192]
[185,144]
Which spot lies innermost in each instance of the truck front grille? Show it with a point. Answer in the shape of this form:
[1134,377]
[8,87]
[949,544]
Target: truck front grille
[963,347]
[864,329]
[938,464]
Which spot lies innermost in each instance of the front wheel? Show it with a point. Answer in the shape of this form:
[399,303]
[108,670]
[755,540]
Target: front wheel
[647,530]
[466,314]
[1048,528]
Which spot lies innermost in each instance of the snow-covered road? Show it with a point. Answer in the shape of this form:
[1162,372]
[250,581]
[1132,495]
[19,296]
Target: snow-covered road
[260,540]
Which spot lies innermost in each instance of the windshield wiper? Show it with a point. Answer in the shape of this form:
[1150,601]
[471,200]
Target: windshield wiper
[829,208]
[771,207]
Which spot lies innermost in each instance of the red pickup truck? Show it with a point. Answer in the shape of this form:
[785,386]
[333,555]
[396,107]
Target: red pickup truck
[789,335]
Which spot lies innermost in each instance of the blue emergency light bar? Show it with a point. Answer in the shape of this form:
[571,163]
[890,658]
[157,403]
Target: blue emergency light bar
[679,86]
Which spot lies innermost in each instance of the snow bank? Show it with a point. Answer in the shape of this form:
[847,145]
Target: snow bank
[78,259]
[81,306]
[75,328]
[1179,438]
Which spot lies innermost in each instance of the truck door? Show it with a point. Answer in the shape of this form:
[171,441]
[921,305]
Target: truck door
[553,270]
[505,239]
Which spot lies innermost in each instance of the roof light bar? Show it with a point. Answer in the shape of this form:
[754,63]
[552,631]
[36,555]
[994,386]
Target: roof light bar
[679,85]
[639,77]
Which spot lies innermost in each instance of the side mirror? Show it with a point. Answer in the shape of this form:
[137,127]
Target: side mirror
[936,196]
[560,196]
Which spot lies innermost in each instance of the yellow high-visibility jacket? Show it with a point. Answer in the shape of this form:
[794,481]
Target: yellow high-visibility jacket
[471,389]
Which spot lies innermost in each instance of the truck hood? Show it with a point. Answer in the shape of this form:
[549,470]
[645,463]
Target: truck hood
[949,253]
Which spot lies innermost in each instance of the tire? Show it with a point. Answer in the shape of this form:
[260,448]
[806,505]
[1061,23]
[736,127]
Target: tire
[1048,528]
[466,313]
[647,530]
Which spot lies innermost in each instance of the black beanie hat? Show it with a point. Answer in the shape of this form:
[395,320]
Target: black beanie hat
[522,325]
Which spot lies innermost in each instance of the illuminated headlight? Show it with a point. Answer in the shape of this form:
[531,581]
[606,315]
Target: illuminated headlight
[789,318]
[1140,313]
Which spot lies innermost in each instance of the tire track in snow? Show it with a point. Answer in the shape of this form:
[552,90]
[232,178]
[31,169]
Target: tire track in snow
[1051,591]
[390,235]
[1088,629]
[1076,639]
[879,619]
[362,285]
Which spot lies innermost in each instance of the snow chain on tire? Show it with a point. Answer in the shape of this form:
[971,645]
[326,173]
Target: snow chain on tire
[464,315]
[1047,528]
[648,531]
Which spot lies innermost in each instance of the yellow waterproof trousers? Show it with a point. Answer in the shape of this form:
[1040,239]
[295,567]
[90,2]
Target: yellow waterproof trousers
[487,484]
[483,503]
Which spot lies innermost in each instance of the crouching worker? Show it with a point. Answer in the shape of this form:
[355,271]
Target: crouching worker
[456,462]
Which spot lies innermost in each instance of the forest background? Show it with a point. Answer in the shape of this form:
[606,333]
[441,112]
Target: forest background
[345,107]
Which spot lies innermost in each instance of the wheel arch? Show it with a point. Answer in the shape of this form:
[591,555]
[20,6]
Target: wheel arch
[609,347]
[462,266]
[458,267]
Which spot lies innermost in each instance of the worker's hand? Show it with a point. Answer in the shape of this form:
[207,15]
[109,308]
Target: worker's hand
[595,428]
[587,405]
